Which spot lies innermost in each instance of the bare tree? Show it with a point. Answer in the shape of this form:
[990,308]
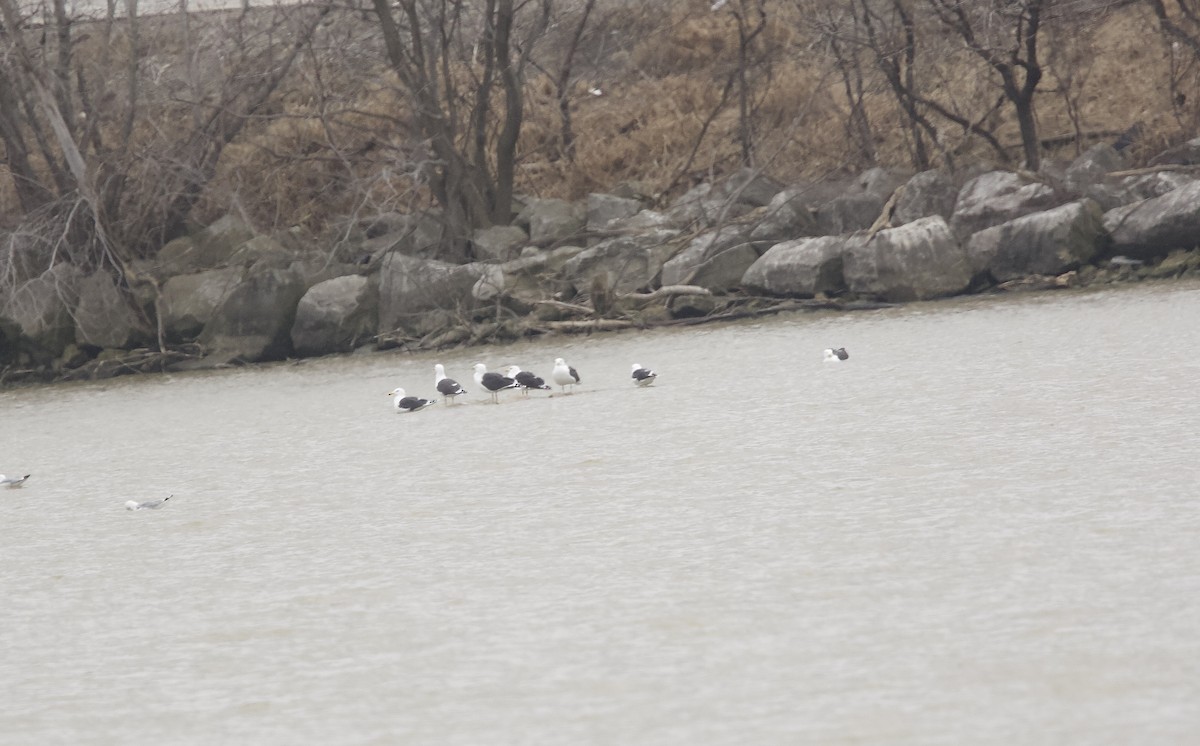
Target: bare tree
[451,65]
[1005,35]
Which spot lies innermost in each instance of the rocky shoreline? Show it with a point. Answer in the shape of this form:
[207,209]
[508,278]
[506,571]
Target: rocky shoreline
[742,246]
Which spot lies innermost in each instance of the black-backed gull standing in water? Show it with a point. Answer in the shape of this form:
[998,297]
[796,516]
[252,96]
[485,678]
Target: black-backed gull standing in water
[406,404]
[447,387]
[148,505]
[494,383]
[836,354]
[13,482]
[526,379]
[563,374]
[642,376]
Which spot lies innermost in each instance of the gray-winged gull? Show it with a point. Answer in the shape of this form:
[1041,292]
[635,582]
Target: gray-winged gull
[642,376]
[563,374]
[13,482]
[147,505]
[407,404]
[447,387]
[493,383]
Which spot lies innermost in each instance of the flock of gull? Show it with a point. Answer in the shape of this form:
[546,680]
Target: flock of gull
[493,383]
[513,377]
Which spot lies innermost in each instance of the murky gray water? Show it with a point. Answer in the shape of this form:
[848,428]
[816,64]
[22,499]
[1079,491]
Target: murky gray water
[982,528]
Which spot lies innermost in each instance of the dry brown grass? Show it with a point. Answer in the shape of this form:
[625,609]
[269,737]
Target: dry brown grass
[662,79]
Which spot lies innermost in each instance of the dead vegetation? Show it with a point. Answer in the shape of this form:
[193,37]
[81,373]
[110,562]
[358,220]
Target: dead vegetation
[663,95]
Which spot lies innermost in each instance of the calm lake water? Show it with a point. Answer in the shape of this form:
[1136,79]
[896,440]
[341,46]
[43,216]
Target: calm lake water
[982,528]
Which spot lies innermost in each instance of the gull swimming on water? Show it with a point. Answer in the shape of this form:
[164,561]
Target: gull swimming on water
[406,404]
[835,355]
[147,505]
[13,482]
[642,376]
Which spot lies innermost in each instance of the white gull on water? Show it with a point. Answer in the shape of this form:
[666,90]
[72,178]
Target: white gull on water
[407,404]
[13,482]
[836,354]
[642,376]
[147,505]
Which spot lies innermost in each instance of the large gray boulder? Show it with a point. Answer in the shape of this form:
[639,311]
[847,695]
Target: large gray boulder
[917,261]
[42,308]
[254,323]
[704,205]
[605,210]
[787,216]
[189,301]
[1090,168]
[423,295]
[550,220]
[627,263]
[1153,227]
[205,249]
[716,260]
[997,197]
[748,186]
[498,243]
[335,316]
[848,213]
[803,267]
[1045,243]
[104,316]
[1136,188]
[528,279]
[926,194]
[878,182]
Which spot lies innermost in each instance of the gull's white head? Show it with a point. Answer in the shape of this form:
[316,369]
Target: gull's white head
[440,370]
[512,371]
[637,366]
[131,505]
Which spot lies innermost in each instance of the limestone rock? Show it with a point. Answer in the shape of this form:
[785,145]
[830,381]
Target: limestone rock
[1153,227]
[604,210]
[206,249]
[105,318]
[787,216]
[1091,167]
[550,220]
[254,322]
[628,263]
[42,308]
[917,261]
[848,213]
[803,267]
[716,260]
[498,243]
[1044,243]
[997,197]
[926,194]
[335,316]
[420,295]
[189,301]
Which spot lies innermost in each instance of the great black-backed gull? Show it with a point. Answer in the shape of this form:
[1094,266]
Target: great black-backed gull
[148,505]
[526,379]
[447,387]
[13,482]
[407,404]
[836,355]
[643,376]
[563,374]
[493,383]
